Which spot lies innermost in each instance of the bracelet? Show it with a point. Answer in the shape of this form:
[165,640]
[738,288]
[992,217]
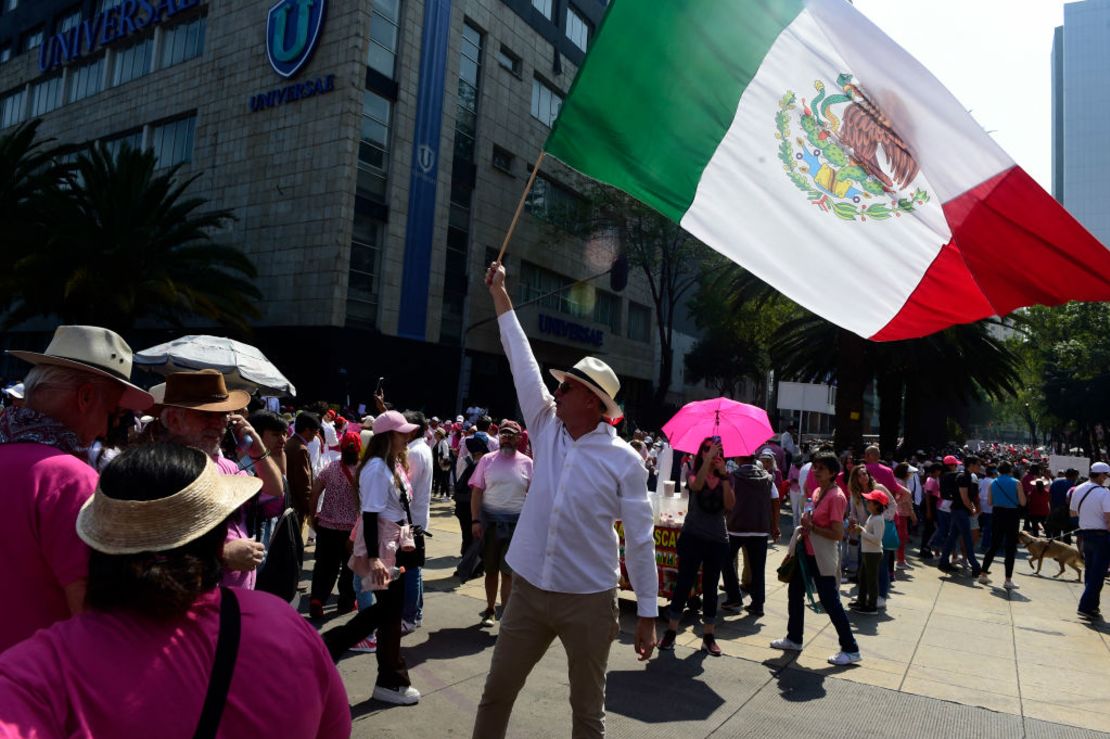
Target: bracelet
[262,457]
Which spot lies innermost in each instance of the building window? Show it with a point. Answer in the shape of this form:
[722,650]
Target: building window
[132,62]
[86,80]
[556,204]
[466,118]
[130,139]
[536,281]
[373,147]
[13,108]
[173,141]
[544,6]
[509,60]
[502,159]
[546,102]
[384,21]
[457,257]
[46,96]
[5,54]
[362,281]
[32,40]
[607,310]
[103,5]
[578,28]
[69,21]
[182,42]
[639,322]
[10,5]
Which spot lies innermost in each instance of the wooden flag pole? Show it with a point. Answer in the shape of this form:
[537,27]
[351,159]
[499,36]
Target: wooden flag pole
[520,205]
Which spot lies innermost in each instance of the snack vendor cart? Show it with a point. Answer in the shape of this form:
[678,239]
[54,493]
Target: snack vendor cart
[670,512]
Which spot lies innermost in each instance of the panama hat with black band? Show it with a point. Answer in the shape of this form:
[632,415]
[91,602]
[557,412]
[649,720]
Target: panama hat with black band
[599,379]
[97,351]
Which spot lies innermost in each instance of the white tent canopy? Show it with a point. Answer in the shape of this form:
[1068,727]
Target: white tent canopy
[242,365]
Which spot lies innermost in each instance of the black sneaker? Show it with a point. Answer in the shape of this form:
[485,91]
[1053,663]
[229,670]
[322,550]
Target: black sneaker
[754,610]
[860,608]
[732,605]
[1089,615]
[946,567]
[667,642]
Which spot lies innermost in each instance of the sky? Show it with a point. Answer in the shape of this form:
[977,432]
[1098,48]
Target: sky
[994,56]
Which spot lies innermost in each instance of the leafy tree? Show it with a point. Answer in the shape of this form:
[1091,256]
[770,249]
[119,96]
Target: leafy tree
[126,242]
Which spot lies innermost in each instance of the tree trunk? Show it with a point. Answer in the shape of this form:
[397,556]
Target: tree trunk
[890,386]
[666,367]
[851,380]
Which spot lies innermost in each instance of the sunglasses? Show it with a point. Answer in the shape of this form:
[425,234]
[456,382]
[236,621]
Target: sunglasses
[565,386]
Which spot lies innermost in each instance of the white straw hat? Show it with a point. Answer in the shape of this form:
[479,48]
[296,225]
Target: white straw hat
[599,378]
[115,526]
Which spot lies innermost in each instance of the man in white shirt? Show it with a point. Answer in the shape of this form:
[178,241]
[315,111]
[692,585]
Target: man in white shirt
[564,553]
[420,476]
[1090,503]
[789,446]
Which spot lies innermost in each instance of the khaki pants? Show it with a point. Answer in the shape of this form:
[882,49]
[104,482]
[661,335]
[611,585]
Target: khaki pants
[585,624]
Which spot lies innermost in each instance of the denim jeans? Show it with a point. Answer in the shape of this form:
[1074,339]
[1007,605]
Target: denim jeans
[959,527]
[1096,556]
[828,592]
[413,610]
[940,536]
[694,551]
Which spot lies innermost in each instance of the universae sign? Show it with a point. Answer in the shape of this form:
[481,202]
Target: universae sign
[292,30]
[107,27]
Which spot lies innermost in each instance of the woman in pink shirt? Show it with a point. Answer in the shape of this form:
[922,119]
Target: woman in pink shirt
[140,660]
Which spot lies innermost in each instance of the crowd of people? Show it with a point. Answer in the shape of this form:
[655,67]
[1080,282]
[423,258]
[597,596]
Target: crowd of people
[161,533]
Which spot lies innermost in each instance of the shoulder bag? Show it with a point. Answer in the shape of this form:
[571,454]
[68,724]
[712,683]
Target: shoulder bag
[411,558]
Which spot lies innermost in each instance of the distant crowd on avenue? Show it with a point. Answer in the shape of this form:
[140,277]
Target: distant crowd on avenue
[162,533]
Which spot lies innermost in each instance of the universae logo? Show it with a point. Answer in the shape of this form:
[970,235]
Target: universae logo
[292,30]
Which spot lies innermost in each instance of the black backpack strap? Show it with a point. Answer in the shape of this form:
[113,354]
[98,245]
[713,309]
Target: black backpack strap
[227,649]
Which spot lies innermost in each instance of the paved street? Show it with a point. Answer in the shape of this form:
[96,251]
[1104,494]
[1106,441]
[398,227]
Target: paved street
[947,659]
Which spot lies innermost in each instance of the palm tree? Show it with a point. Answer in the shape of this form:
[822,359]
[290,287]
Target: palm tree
[126,243]
[28,170]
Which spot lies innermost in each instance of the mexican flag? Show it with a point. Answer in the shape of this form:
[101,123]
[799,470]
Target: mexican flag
[798,140]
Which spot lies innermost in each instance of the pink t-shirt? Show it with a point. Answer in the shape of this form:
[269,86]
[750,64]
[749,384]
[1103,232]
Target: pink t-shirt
[122,675]
[504,481]
[43,489]
[884,476]
[932,486]
[237,527]
[828,508]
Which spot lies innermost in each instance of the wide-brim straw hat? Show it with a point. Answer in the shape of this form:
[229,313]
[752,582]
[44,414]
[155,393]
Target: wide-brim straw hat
[114,526]
[97,351]
[599,378]
[202,390]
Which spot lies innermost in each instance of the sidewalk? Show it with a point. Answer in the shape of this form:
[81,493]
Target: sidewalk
[948,658]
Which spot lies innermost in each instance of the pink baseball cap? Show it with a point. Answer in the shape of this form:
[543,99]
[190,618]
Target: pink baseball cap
[950,459]
[392,421]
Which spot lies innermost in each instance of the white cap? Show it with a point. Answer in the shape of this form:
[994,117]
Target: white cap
[1100,468]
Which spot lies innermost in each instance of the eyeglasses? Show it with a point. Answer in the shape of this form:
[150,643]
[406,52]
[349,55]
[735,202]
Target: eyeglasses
[564,387]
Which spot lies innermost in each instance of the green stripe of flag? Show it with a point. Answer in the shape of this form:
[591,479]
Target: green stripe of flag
[659,89]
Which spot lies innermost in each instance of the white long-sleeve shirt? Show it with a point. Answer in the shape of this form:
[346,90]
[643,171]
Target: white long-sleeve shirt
[565,541]
[420,475]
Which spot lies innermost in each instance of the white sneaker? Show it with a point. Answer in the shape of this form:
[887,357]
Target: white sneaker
[844,658]
[984,579]
[880,603]
[786,645]
[1010,585]
[365,646]
[406,695]
[407,628]
[901,566]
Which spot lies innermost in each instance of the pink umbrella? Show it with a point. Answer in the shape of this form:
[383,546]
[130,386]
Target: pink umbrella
[743,428]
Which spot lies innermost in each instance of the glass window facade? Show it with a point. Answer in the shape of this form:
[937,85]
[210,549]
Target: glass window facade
[578,28]
[130,139]
[67,22]
[385,20]
[173,141]
[544,6]
[46,95]
[32,40]
[457,257]
[182,42]
[13,108]
[362,280]
[373,148]
[132,62]
[86,79]
[509,60]
[545,102]
[555,204]
[639,322]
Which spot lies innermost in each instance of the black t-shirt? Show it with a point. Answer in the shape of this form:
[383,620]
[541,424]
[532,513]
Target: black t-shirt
[948,490]
[963,480]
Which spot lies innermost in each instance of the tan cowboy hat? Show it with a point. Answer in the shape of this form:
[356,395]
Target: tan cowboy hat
[599,378]
[202,390]
[97,351]
[115,526]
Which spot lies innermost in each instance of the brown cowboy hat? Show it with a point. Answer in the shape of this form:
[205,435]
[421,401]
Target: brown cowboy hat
[202,390]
